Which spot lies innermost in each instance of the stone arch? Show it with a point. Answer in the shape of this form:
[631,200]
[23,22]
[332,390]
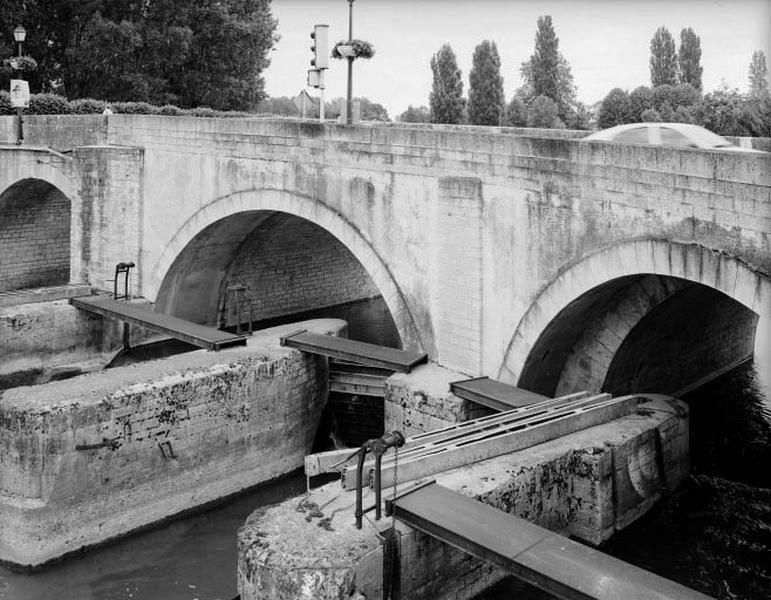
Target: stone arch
[662,267]
[35,235]
[282,201]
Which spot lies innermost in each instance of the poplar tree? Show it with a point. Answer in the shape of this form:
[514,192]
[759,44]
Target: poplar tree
[547,72]
[758,75]
[485,94]
[689,58]
[663,61]
[446,98]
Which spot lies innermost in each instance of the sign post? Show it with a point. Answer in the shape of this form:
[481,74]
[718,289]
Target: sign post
[19,100]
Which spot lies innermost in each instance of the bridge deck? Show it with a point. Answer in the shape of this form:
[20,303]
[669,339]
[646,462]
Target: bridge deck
[351,350]
[564,568]
[494,394]
[192,333]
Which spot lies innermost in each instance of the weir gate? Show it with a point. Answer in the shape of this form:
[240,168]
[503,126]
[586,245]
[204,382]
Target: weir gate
[543,262]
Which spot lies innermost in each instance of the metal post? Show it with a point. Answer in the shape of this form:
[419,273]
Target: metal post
[349,100]
[20,136]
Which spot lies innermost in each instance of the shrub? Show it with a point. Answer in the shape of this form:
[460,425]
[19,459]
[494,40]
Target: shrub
[5,103]
[170,110]
[650,115]
[134,108]
[667,113]
[48,104]
[683,115]
[87,106]
[201,111]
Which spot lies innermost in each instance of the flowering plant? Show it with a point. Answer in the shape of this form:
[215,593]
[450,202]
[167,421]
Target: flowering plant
[21,63]
[353,49]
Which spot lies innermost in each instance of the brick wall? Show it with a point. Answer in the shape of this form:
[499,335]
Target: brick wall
[291,265]
[34,236]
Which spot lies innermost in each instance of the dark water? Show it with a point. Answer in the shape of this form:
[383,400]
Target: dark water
[714,533]
[192,558]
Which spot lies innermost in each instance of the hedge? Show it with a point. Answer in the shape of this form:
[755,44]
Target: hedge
[54,104]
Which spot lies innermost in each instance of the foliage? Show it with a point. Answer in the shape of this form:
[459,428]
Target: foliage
[663,60]
[640,99]
[547,72]
[667,113]
[87,106]
[615,109]
[134,108]
[683,115]
[372,111]
[758,79]
[169,110]
[543,112]
[579,117]
[48,104]
[684,94]
[727,112]
[5,103]
[446,98]
[24,64]
[689,58]
[516,113]
[420,114]
[661,94]
[485,95]
[187,52]
[278,105]
[361,49]
[650,115]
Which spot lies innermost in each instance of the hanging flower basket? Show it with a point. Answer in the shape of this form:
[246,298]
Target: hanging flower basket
[353,49]
[25,64]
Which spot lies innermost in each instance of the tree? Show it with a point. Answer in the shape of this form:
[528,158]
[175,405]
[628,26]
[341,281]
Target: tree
[758,75]
[667,113]
[661,94]
[640,99]
[684,94]
[615,109]
[516,113]
[189,52]
[650,115]
[415,115]
[372,111]
[578,117]
[547,72]
[663,61]
[683,115]
[689,58]
[543,113]
[446,99]
[485,94]
[727,112]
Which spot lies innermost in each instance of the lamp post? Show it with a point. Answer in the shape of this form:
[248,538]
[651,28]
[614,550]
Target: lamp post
[349,99]
[19,34]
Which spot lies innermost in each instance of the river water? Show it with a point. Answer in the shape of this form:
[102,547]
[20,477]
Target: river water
[714,534]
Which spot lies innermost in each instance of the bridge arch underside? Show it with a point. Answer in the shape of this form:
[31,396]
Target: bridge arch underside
[640,333]
[34,235]
[286,267]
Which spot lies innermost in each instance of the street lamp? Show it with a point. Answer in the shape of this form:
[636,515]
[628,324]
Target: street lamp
[19,34]
[349,99]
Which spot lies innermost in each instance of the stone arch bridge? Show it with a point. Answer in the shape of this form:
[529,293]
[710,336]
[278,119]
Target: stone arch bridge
[545,261]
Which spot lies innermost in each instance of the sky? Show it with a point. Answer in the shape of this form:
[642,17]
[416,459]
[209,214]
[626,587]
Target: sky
[606,42]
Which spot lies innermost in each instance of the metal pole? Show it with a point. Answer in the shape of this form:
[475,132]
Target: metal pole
[20,136]
[349,100]
[321,104]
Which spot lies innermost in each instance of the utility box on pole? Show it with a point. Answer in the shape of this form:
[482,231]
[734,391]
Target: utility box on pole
[319,62]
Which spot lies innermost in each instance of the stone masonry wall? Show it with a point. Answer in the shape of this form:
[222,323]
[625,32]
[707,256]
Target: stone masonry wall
[34,236]
[96,456]
[290,265]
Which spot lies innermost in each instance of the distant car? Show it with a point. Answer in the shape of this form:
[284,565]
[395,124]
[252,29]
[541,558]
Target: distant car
[673,135]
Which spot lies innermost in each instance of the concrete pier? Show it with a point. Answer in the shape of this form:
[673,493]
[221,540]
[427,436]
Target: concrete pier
[96,456]
[588,485]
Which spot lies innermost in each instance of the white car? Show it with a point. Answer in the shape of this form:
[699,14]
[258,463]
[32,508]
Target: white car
[673,135]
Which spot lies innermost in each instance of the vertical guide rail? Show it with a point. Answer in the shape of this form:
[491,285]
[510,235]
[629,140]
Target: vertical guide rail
[378,447]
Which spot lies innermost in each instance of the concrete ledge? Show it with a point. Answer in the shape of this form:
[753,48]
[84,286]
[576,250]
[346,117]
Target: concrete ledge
[94,457]
[587,484]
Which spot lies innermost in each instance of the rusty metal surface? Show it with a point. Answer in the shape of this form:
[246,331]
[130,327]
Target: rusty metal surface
[564,568]
[345,349]
[192,333]
[494,394]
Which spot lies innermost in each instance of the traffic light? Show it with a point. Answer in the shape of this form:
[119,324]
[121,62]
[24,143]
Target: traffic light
[320,38]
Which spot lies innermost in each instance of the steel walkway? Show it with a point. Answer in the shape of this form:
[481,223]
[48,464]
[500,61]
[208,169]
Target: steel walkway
[192,333]
[494,394]
[351,350]
[552,562]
